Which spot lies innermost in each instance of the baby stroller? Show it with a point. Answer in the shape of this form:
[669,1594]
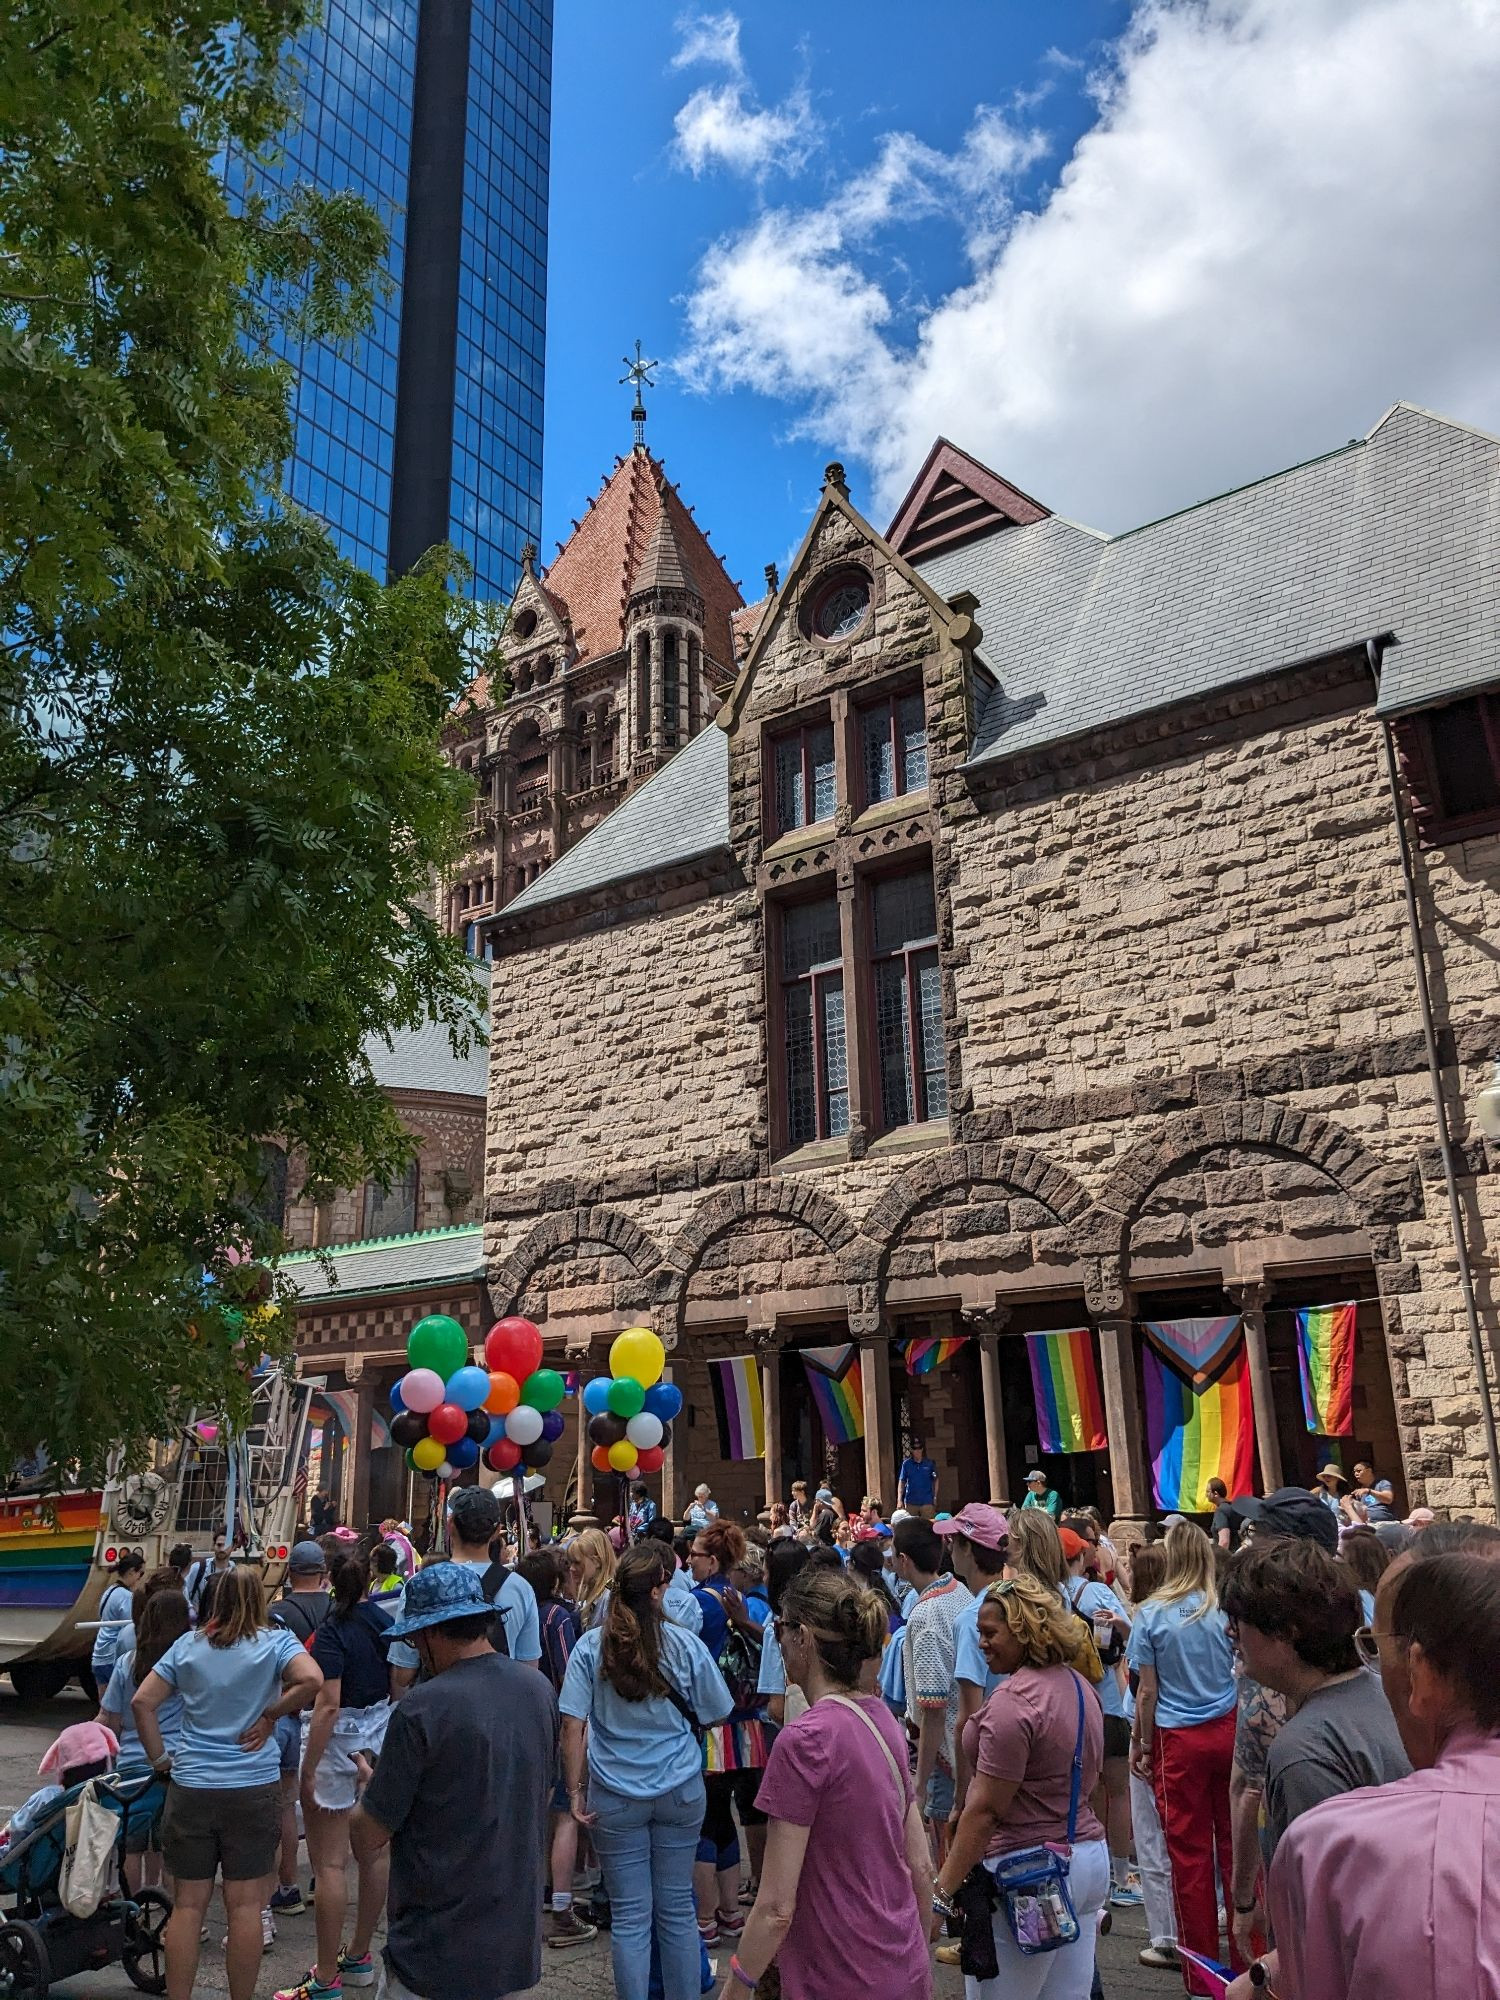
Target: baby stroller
[41,1942]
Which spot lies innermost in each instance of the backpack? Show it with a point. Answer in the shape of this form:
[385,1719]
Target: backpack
[302,1615]
[490,1583]
[739,1663]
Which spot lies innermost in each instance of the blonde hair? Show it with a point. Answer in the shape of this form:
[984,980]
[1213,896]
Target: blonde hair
[1190,1569]
[594,1553]
[1036,1549]
[1045,1629]
[846,1624]
[239,1608]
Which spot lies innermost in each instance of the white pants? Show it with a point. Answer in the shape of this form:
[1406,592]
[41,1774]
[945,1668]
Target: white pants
[1151,1857]
[1067,1974]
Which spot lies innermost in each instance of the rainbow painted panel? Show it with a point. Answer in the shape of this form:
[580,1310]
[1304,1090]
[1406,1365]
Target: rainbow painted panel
[45,1568]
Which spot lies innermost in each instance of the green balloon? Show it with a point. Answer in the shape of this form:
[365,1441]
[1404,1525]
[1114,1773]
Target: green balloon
[544,1390]
[438,1343]
[626,1397]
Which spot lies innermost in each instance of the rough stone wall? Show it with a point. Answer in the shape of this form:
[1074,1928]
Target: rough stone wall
[450,1183]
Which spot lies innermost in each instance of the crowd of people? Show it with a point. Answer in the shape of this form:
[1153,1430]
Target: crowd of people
[805,1755]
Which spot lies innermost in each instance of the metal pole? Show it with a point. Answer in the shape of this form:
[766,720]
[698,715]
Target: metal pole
[1445,1144]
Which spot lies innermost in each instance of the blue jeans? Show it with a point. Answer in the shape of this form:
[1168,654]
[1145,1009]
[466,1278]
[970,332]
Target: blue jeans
[646,1849]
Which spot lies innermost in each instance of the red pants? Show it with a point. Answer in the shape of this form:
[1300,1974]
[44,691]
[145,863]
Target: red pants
[1190,1776]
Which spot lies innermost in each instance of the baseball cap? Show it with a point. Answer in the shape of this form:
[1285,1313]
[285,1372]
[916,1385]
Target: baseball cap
[1073,1544]
[474,1512]
[306,1559]
[1036,1472]
[824,1493]
[438,1593]
[1293,1512]
[981,1523]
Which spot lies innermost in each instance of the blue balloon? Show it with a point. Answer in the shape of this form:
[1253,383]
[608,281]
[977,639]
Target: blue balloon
[596,1395]
[396,1403]
[462,1453]
[664,1401]
[468,1387]
[497,1431]
[552,1426]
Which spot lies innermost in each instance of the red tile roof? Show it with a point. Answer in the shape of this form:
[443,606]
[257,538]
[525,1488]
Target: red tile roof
[597,566]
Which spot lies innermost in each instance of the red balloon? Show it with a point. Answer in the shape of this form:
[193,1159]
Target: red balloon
[447,1423]
[599,1459]
[503,1456]
[513,1347]
[650,1459]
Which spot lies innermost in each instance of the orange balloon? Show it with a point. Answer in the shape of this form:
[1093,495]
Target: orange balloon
[505,1393]
[599,1459]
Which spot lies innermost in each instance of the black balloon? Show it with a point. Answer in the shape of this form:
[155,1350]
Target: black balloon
[408,1428]
[606,1430]
[536,1455]
[479,1425]
[666,1437]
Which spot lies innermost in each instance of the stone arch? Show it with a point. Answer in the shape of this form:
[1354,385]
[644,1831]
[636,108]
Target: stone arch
[1378,1192]
[600,1232]
[1049,1195]
[786,1203]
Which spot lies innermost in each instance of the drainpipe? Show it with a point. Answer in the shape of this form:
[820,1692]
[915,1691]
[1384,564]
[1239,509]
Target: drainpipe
[1373,649]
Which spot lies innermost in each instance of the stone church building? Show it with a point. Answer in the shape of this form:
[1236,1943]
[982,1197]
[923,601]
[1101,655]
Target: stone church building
[1035,930]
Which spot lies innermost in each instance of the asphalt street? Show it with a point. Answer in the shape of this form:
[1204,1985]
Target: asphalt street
[582,1973]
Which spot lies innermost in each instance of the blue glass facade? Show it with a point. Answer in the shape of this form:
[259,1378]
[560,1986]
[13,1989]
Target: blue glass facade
[474,458]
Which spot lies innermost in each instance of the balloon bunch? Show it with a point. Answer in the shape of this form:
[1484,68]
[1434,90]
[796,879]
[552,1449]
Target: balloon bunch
[448,1410]
[631,1409]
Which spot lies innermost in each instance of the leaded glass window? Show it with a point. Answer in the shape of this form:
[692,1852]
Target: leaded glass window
[893,748]
[908,1001]
[803,777]
[815,1044]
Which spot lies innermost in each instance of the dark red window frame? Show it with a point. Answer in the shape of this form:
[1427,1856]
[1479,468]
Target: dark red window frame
[1421,761]
[890,707]
[926,1084]
[802,736]
[814,987]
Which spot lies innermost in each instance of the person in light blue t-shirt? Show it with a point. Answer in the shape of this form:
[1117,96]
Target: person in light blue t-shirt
[634,1700]
[473,1522]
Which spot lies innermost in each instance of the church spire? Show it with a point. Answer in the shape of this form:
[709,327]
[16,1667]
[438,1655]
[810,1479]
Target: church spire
[639,372]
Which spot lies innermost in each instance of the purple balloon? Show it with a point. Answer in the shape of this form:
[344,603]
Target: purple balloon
[552,1426]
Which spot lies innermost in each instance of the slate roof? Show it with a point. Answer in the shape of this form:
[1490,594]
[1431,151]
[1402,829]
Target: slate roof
[389,1263]
[1396,532]
[423,1059]
[679,814]
[663,567]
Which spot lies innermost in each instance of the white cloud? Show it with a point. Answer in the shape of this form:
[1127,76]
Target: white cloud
[1281,221]
[712,39]
[721,126]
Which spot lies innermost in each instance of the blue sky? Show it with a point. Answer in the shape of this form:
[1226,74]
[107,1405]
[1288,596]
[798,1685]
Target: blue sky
[1128,251]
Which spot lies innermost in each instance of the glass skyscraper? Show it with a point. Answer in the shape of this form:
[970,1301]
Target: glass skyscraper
[438,112]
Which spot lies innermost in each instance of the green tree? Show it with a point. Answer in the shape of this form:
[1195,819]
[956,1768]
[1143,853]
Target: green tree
[222,800]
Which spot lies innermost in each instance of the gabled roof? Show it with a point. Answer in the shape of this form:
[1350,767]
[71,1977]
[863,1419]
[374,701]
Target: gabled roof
[954,499]
[596,569]
[388,1264]
[423,1059]
[1398,532]
[680,814]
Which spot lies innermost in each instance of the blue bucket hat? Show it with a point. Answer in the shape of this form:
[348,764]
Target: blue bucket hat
[442,1591]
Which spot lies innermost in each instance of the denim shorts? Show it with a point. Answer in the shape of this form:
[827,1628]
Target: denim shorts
[939,1801]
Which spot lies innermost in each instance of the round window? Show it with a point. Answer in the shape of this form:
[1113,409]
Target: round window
[523,624]
[841,608]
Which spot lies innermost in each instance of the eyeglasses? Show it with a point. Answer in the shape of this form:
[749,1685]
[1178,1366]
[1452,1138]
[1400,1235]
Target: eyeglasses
[1367,1645]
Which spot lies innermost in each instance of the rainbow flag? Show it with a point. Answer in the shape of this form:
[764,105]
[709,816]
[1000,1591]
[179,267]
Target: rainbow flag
[1194,1435]
[1325,1360]
[738,1406]
[833,1376]
[1069,1408]
[923,1356]
[44,1565]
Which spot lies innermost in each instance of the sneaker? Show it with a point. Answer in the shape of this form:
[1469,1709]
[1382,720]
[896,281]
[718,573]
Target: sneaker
[1106,1922]
[708,1933]
[1126,1895]
[947,1954]
[748,1894]
[288,1902]
[267,1929]
[311,1988]
[1162,1956]
[731,1923]
[356,1971]
[566,1927]
[598,1913]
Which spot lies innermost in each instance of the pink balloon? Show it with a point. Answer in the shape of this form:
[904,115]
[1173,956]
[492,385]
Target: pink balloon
[421,1389]
[208,1432]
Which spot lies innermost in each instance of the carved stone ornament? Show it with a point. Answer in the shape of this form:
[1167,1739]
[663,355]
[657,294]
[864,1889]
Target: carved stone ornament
[354,1367]
[985,1319]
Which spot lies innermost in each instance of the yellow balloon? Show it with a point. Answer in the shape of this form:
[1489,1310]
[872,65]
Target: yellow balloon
[622,1456]
[639,1354]
[428,1454]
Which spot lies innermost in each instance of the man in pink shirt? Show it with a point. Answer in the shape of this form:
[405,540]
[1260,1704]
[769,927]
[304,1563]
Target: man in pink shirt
[1387,1891]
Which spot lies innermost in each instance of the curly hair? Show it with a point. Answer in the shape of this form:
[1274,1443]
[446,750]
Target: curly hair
[1046,1629]
[847,1625]
[725,1542]
[630,1650]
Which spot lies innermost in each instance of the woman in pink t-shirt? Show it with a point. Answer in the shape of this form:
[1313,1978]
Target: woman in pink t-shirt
[846,1883]
[1021,1747]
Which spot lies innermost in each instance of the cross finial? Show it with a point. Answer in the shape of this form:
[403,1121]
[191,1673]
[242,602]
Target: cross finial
[639,373]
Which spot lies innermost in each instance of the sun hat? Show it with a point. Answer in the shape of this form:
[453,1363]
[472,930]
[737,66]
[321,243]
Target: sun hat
[980,1522]
[306,1559]
[80,1743]
[1294,1512]
[437,1594]
[1332,1472]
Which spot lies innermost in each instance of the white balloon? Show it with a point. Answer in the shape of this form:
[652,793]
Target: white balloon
[644,1431]
[524,1424]
[447,1471]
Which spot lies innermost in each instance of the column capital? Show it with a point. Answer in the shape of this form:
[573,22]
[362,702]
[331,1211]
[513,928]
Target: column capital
[988,1322]
[1249,1294]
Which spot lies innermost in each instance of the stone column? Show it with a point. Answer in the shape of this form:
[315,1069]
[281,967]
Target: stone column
[669,1471]
[359,1484]
[770,1394]
[657,711]
[880,1443]
[1251,1299]
[1122,1417]
[988,1326]
[578,1357]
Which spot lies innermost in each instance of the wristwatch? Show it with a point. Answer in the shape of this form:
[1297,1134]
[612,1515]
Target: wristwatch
[1259,1977]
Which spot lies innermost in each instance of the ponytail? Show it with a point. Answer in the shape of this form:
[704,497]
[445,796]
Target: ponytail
[349,1579]
[630,1649]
